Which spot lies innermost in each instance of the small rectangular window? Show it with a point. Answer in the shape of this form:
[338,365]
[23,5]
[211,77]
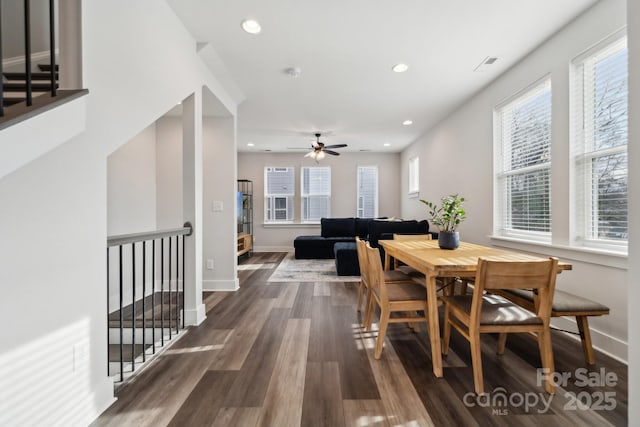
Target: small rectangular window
[367,193]
[414,177]
[279,191]
[316,193]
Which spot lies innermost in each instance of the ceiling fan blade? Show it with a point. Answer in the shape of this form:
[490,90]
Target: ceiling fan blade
[335,153]
[335,146]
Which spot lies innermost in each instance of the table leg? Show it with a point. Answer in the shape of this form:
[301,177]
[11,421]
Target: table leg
[434,325]
[387,260]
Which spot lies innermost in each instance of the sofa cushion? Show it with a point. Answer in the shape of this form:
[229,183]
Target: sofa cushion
[382,230]
[338,227]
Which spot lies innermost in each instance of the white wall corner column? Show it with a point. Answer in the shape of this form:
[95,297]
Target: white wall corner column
[70,34]
[633,40]
[192,206]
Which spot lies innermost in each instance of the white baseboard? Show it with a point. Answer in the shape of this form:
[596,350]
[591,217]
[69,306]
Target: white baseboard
[196,316]
[273,249]
[16,63]
[603,342]
[221,285]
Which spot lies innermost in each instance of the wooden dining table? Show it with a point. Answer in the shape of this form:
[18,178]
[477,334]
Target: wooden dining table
[426,257]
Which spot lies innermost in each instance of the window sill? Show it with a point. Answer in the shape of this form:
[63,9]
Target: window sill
[414,194]
[291,224]
[603,257]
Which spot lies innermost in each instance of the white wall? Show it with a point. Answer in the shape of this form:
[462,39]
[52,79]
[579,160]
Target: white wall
[131,185]
[343,191]
[456,157]
[53,219]
[219,172]
[169,172]
[633,23]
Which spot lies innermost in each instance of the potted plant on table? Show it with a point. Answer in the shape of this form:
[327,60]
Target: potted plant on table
[447,217]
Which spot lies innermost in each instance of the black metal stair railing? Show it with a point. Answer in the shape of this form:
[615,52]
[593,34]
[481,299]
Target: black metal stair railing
[28,74]
[139,315]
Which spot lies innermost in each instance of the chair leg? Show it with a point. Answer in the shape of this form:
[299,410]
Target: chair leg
[446,330]
[361,291]
[585,337]
[502,341]
[368,312]
[546,355]
[382,332]
[476,359]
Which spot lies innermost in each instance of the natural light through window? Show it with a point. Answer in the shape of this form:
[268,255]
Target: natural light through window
[600,135]
[367,192]
[316,193]
[279,191]
[414,176]
[523,164]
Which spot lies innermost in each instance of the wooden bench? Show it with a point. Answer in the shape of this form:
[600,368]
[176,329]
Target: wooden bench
[565,304]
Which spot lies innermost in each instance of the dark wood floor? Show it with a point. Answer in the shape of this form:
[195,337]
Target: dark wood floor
[294,354]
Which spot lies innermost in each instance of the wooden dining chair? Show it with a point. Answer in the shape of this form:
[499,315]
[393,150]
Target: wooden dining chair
[391,276]
[480,313]
[408,297]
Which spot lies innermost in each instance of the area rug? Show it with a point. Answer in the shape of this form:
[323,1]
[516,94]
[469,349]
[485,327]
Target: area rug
[308,270]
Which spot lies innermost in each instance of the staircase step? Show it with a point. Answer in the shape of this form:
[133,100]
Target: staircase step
[114,352]
[22,86]
[47,67]
[23,76]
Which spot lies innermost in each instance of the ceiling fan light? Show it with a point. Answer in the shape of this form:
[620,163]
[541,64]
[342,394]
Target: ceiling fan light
[320,155]
[400,68]
[251,26]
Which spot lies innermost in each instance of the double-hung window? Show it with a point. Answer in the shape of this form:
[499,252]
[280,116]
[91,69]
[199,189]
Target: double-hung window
[523,165]
[600,134]
[367,192]
[414,176]
[316,193]
[279,191]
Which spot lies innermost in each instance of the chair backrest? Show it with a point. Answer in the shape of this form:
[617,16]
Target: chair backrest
[412,236]
[361,250]
[375,271]
[539,276]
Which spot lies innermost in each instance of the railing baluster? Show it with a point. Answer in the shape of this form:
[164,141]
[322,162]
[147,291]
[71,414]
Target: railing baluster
[1,70]
[183,281]
[162,291]
[52,44]
[133,318]
[174,302]
[108,295]
[27,49]
[153,295]
[121,318]
[144,301]
[177,286]
[170,296]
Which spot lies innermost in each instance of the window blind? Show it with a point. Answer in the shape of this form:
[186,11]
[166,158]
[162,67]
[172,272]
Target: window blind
[523,166]
[414,175]
[600,118]
[316,193]
[279,191]
[367,182]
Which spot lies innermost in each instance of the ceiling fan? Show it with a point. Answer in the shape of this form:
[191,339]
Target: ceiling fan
[319,149]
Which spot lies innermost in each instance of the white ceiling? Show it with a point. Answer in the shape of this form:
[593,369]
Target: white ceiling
[346,48]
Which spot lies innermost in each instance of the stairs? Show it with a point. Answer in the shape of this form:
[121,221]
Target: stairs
[14,85]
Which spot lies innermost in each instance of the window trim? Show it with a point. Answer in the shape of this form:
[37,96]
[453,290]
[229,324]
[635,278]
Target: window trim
[414,177]
[582,150]
[500,209]
[376,194]
[303,197]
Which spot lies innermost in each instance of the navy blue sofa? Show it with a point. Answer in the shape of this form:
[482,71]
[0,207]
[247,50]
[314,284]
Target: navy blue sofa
[334,230]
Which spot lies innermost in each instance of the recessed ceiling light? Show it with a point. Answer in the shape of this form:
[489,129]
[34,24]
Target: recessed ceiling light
[400,68]
[386,144]
[250,144]
[407,122]
[251,26]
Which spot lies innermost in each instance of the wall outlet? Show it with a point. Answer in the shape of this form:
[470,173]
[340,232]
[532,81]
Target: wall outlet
[209,264]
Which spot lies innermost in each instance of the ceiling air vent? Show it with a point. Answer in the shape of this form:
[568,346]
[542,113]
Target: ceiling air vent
[486,63]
